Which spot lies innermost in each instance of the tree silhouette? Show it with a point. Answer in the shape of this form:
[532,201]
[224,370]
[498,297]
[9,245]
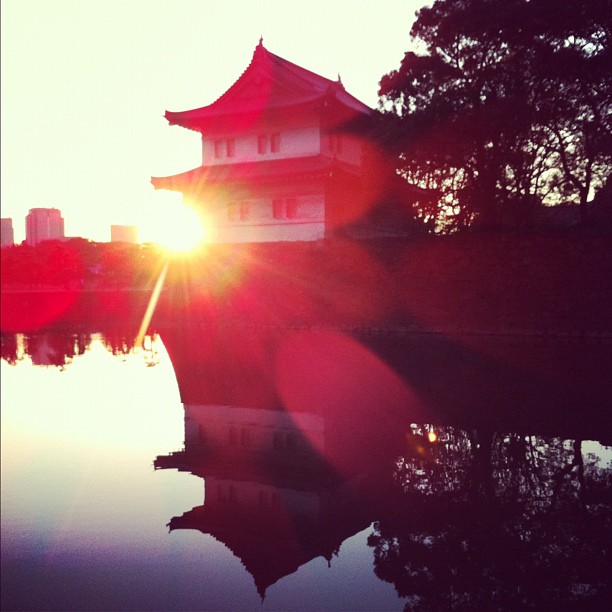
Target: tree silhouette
[56,348]
[508,108]
[10,348]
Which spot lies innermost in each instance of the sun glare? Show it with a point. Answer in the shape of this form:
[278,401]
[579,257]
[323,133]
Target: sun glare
[180,232]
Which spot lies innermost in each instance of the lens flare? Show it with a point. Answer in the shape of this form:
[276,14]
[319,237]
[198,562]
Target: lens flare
[179,231]
[146,319]
[185,233]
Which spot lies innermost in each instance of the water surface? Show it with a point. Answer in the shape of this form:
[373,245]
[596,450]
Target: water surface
[237,471]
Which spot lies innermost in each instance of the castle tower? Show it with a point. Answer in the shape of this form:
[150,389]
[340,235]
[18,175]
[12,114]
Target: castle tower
[282,155]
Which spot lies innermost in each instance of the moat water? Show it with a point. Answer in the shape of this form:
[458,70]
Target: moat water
[231,470]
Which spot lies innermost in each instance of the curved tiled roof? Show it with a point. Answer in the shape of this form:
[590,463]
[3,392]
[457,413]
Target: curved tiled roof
[270,82]
[316,165]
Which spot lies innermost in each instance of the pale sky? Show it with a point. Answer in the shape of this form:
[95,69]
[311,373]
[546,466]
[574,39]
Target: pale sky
[85,84]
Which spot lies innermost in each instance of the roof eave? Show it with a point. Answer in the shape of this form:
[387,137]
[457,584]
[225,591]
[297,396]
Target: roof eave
[230,173]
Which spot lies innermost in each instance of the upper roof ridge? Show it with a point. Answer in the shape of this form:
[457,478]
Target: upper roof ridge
[290,83]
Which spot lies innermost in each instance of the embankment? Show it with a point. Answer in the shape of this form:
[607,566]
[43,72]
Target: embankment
[558,283]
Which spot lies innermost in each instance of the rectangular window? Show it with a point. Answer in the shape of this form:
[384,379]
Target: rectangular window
[230,147]
[284,208]
[238,211]
[244,211]
[278,208]
[262,144]
[335,143]
[218,149]
[291,208]
[275,143]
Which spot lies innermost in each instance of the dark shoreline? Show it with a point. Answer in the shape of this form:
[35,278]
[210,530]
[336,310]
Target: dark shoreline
[550,285]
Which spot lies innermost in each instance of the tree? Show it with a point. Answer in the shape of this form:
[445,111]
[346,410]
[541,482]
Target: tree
[509,107]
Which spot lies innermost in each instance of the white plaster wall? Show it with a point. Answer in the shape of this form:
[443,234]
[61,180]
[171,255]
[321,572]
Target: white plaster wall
[271,233]
[216,421]
[247,494]
[261,226]
[297,142]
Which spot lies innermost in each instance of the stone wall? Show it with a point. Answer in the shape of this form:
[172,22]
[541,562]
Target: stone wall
[536,283]
[546,282]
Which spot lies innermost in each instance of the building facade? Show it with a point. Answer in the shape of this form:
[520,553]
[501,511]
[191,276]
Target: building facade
[282,156]
[8,235]
[44,224]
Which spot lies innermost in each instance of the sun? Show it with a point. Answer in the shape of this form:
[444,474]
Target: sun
[180,230]
[184,232]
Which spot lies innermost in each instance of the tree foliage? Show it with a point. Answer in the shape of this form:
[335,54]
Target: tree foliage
[77,263]
[509,107]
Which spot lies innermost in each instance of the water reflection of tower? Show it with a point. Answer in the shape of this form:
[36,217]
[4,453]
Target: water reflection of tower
[281,487]
[269,496]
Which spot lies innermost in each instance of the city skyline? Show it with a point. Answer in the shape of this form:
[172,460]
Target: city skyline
[84,93]
[49,217]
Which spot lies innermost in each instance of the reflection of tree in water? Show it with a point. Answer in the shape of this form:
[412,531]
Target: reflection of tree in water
[122,342]
[119,341]
[59,347]
[48,348]
[56,348]
[488,521]
[11,352]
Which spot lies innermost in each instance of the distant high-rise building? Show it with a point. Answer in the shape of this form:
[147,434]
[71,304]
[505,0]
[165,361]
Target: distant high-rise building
[124,233]
[44,224]
[8,236]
